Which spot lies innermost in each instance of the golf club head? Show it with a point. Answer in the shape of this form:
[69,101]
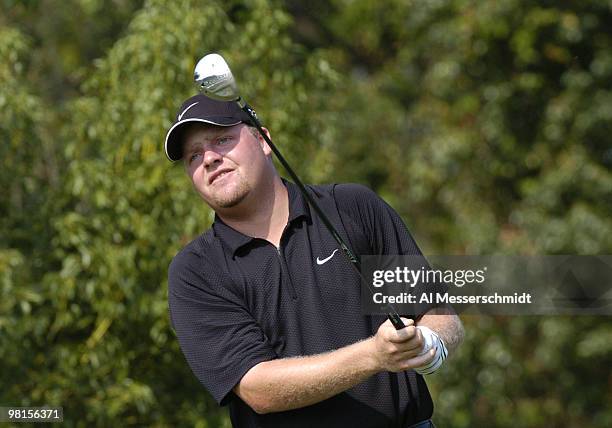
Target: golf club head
[214,77]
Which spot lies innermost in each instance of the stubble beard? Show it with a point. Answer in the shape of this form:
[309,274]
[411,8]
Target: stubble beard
[228,198]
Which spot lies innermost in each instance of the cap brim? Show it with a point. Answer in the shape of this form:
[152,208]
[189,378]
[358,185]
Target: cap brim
[173,145]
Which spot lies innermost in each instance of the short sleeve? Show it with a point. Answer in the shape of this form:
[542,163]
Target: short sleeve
[218,337]
[383,227]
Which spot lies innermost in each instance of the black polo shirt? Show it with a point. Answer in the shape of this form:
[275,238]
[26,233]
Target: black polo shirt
[236,301]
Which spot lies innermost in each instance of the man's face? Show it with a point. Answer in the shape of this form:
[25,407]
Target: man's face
[225,163]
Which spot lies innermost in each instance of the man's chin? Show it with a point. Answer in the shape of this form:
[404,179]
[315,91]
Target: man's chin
[229,204]
[228,201]
[227,196]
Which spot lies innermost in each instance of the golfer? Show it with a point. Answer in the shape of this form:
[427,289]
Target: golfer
[265,306]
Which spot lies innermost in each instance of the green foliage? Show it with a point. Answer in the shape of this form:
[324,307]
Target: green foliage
[486,125]
[532,371]
[489,107]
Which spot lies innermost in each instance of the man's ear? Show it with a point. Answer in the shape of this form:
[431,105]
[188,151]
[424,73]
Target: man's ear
[264,146]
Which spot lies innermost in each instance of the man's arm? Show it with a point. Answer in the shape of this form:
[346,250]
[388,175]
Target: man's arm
[290,383]
[445,322]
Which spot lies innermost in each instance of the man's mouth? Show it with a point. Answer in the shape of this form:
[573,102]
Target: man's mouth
[218,174]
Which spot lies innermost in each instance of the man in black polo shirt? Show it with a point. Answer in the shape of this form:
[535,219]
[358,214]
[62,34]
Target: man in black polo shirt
[267,309]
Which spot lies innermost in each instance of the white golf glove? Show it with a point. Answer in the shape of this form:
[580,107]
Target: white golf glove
[432,340]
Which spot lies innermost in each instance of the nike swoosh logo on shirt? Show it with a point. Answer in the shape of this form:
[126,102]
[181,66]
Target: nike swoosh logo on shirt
[325,260]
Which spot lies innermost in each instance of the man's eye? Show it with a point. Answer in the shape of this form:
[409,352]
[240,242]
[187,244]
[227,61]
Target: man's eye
[194,156]
[223,140]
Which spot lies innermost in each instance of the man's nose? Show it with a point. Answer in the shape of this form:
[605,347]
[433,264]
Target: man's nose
[211,157]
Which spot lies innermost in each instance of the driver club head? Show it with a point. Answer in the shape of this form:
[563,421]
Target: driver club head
[215,79]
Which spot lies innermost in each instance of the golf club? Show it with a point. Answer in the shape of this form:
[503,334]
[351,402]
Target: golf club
[216,81]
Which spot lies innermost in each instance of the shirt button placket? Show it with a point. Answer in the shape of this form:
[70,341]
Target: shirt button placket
[285,270]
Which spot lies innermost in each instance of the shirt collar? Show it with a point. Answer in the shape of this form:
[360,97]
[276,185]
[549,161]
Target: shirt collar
[298,207]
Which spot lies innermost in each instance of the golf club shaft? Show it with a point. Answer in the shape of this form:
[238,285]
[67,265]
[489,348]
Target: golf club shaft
[391,312]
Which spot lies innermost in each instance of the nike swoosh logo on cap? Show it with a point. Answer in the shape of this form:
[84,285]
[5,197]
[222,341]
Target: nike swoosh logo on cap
[180,116]
[325,260]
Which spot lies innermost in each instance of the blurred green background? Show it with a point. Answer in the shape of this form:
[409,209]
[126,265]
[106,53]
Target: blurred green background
[487,125]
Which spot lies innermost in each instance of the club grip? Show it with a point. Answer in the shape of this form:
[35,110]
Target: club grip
[396,321]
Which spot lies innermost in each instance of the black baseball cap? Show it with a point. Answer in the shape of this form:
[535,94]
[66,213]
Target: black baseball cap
[200,108]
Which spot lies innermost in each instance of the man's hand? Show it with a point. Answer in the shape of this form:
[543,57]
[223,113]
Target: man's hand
[445,322]
[398,350]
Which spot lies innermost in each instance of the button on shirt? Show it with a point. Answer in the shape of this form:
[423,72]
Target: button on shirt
[236,301]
